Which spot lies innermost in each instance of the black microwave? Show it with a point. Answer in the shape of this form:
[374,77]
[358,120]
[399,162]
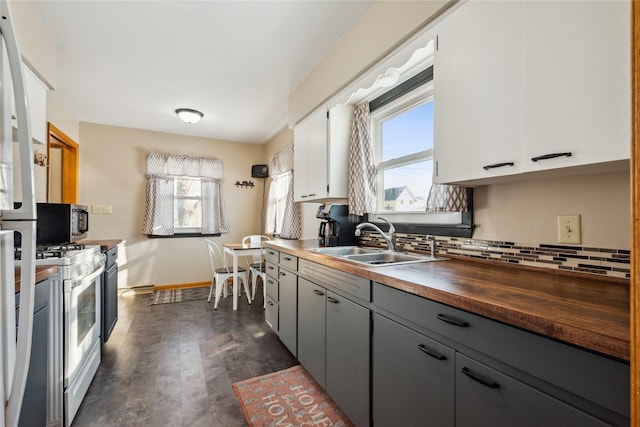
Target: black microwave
[59,223]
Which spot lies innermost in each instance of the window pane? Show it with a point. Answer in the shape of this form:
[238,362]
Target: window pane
[187,187]
[406,188]
[407,133]
[188,213]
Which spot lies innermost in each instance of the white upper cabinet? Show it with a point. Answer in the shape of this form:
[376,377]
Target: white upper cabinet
[478,92]
[576,82]
[321,155]
[37,105]
[526,87]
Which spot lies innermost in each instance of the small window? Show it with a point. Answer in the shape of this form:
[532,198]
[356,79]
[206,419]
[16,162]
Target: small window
[187,205]
[281,185]
[403,137]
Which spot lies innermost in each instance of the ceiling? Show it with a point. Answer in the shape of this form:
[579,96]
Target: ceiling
[133,63]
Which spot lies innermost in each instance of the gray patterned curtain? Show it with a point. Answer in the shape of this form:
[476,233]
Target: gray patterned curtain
[447,198]
[162,170]
[281,167]
[362,170]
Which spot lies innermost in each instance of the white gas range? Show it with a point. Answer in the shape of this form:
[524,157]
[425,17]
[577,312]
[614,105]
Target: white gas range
[75,326]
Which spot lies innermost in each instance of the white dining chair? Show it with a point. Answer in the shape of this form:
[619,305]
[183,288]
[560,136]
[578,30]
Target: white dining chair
[256,266]
[222,274]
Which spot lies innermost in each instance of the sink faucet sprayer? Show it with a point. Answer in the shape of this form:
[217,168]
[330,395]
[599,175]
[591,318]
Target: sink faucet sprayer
[389,237]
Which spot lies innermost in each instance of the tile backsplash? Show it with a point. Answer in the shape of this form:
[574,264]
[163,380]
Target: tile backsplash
[596,261]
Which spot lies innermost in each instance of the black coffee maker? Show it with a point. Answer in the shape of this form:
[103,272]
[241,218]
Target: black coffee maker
[336,229]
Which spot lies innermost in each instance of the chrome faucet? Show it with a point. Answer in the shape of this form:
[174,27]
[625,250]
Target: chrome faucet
[432,244]
[389,237]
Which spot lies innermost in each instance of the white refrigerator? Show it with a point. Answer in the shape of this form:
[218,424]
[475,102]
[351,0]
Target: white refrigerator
[15,350]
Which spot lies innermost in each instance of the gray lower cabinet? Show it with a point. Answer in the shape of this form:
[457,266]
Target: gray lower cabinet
[288,313]
[482,393]
[347,357]
[413,377]
[271,313]
[34,403]
[333,345]
[311,329]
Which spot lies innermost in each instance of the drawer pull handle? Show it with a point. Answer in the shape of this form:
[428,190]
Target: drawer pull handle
[480,378]
[270,303]
[497,165]
[333,300]
[550,156]
[453,321]
[271,268]
[271,282]
[317,292]
[282,273]
[287,259]
[431,353]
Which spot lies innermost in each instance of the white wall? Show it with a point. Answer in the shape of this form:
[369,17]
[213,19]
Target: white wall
[112,171]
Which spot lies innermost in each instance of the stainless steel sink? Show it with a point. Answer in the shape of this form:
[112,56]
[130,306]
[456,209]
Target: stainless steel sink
[372,256]
[341,251]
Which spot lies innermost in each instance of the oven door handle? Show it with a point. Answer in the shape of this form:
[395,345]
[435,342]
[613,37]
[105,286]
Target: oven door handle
[71,284]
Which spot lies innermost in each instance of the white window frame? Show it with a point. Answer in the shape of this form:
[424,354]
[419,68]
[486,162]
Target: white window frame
[186,230]
[404,103]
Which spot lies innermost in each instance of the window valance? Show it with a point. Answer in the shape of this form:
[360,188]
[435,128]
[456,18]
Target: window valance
[170,165]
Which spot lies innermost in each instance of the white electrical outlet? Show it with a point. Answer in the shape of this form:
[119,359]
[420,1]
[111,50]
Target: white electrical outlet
[569,229]
[101,209]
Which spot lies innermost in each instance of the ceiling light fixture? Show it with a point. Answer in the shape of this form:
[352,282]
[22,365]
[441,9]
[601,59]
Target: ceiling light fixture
[188,115]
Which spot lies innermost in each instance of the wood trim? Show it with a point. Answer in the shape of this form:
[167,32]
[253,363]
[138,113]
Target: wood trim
[635,213]
[70,162]
[180,286]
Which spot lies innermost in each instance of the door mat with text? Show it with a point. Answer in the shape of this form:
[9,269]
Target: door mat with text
[290,397]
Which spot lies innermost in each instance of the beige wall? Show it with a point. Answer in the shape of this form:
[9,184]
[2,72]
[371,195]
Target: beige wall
[526,211]
[383,27]
[112,165]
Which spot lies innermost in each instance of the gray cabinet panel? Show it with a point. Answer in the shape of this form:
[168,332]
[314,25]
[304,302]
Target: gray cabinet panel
[289,262]
[311,329]
[486,397]
[347,355]
[288,303]
[272,256]
[272,270]
[271,313]
[412,377]
[595,378]
[350,284]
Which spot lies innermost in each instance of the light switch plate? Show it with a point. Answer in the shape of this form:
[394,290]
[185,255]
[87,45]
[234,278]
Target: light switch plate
[569,229]
[101,209]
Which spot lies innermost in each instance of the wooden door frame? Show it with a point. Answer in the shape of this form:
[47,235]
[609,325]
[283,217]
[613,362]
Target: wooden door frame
[70,162]
[635,213]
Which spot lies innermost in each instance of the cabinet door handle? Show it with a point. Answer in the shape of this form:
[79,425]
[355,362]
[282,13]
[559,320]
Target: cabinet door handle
[497,165]
[303,196]
[431,353]
[333,300]
[452,321]
[271,282]
[270,303]
[317,292]
[312,195]
[550,156]
[488,382]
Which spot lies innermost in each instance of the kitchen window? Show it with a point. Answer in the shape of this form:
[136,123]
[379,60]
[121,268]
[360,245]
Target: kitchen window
[184,197]
[281,185]
[402,136]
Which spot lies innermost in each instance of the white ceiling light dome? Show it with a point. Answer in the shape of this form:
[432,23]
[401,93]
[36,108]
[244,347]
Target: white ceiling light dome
[189,115]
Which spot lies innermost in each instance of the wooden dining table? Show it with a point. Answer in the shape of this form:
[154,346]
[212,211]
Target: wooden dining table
[237,250]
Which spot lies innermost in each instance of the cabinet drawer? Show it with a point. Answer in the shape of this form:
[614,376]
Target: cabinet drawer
[271,255]
[483,393]
[271,313]
[272,288]
[596,378]
[271,270]
[353,285]
[289,262]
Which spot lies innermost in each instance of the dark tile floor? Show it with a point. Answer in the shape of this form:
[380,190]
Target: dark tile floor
[173,364]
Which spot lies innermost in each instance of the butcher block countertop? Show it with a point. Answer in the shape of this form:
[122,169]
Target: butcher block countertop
[42,273]
[588,312]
